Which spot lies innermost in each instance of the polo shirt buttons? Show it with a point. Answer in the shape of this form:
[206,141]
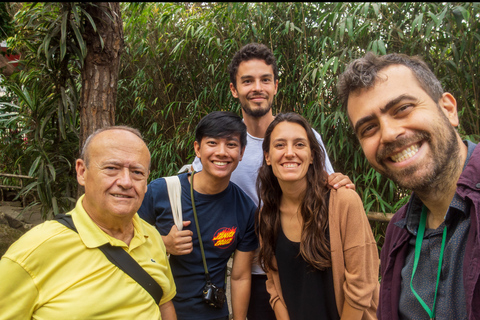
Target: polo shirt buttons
[477,186]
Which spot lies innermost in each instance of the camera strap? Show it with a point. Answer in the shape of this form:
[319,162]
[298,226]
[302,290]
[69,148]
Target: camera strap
[207,275]
[123,261]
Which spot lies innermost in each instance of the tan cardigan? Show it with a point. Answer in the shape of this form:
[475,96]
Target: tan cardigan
[355,262]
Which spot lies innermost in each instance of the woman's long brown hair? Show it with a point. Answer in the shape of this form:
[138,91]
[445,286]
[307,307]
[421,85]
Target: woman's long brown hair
[314,243]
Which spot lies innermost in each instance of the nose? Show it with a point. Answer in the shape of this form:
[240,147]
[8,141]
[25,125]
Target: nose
[221,149]
[124,179]
[258,86]
[390,131]
[289,151]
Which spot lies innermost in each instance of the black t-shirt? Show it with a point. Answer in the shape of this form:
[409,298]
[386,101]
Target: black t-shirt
[308,292]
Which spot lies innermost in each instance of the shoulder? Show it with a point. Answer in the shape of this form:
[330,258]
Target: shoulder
[400,214]
[40,238]
[345,198]
[238,192]
[346,210]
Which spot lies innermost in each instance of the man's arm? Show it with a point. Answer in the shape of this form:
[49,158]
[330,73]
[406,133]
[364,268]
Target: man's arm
[18,292]
[241,280]
[179,242]
[167,310]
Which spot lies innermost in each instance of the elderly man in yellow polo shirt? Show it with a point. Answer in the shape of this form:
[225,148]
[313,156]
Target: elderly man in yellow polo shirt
[53,272]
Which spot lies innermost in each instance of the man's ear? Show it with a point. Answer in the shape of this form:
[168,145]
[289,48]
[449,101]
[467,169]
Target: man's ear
[233,90]
[242,152]
[448,105]
[196,147]
[81,171]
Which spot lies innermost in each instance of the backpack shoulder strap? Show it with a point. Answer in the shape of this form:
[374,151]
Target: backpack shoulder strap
[175,195]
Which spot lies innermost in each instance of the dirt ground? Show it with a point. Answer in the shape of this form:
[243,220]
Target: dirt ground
[14,210]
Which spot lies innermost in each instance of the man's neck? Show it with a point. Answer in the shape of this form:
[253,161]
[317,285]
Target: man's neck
[206,184]
[438,199]
[257,126]
[121,229]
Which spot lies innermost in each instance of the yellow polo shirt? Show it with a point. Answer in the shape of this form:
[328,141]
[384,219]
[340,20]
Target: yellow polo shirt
[53,272]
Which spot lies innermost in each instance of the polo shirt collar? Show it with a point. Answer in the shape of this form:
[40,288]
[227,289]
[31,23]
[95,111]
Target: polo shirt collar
[93,237]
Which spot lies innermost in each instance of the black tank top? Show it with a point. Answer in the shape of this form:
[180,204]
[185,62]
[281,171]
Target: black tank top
[308,292]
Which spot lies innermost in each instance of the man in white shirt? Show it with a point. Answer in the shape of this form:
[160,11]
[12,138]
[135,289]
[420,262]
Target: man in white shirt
[254,82]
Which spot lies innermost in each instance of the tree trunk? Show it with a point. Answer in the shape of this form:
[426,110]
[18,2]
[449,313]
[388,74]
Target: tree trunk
[100,69]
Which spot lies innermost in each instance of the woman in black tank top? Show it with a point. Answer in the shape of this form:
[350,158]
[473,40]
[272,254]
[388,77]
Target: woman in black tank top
[292,222]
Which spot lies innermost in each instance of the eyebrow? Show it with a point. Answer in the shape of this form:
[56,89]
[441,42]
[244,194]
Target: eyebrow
[295,139]
[119,163]
[262,76]
[383,110]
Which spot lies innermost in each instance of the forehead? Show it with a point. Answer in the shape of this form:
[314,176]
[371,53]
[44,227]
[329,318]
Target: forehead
[118,145]
[225,137]
[288,130]
[392,82]
[254,67]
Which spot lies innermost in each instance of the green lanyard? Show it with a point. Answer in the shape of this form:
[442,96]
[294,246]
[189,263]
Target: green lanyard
[418,248]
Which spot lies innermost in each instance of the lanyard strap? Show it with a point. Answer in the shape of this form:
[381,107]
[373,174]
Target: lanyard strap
[207,275]
[418,249]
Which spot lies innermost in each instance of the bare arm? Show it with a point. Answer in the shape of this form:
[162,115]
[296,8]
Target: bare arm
[338,180]
[167,310]
[241,280]
[179,242]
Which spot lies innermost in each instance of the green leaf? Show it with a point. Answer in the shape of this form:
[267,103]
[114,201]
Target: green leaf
[417,23]
[52,171]
[381,46]
[80,41]
[34,166]
[63,39]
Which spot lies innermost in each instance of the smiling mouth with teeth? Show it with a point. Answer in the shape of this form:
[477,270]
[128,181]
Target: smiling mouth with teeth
[220,163]
[121,196]
[290,165]
[405,154]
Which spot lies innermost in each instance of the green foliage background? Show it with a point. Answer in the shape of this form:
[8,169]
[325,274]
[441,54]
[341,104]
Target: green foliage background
[173,70]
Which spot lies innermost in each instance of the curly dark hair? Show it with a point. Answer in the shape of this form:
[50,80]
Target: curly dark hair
[314,244]
[363,73]
[248,52]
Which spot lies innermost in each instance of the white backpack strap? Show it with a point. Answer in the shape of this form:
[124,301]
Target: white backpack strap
[175,195]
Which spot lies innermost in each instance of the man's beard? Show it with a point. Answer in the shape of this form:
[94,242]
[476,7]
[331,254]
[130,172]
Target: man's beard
[440,170]
[257,113]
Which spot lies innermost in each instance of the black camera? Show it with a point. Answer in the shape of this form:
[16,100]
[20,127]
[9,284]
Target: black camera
[213,295]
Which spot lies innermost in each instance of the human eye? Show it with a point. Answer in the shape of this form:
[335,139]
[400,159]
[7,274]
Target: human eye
[403,109]
[367,130]
[278,145]
[110,169]
[138,173]
[211,142]
[232,144]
